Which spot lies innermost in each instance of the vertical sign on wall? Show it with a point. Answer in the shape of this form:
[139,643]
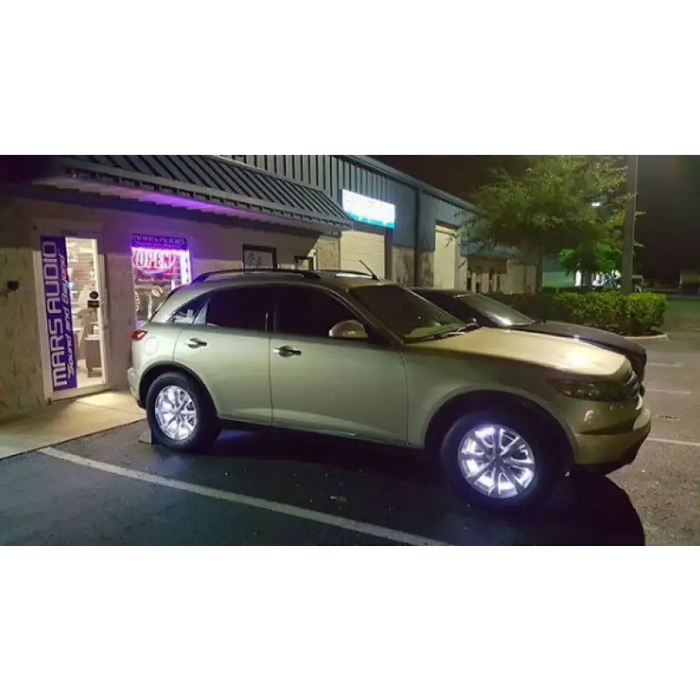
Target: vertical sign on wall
[59,321]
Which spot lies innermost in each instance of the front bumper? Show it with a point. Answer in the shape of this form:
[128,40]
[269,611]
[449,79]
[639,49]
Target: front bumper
[133,380]
[606,453]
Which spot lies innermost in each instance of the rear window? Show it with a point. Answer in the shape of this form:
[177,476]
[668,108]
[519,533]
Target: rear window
[188,313]
[163,300]
[178,308]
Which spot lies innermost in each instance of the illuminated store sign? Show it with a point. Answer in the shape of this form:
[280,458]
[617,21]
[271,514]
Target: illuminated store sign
[155,255]
[368,210]
[159,264]
[153,260]
[161,242]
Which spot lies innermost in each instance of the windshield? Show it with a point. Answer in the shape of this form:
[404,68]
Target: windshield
[409,316]
[495,311]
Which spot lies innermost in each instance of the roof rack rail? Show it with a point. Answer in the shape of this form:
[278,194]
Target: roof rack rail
[240,271]
[348,273]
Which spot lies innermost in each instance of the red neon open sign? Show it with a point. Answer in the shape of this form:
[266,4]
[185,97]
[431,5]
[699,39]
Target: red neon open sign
[153,259]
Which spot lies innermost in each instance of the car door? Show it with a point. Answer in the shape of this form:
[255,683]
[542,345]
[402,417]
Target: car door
[228,348]
[346,387]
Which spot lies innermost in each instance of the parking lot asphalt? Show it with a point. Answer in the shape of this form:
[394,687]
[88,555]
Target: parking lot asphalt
[295,490]
[663,483]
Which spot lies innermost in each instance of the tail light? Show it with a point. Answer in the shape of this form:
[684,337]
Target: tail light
[139,335]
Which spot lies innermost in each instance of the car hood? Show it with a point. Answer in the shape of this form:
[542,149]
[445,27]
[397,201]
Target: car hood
[590,335]
[563,354]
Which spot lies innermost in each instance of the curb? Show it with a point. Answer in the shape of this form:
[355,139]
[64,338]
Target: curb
[662,336]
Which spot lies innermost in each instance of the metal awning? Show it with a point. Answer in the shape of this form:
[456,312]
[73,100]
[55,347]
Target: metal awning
[206,183]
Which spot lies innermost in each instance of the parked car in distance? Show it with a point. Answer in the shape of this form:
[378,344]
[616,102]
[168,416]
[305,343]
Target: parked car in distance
[471,307]
[503,414]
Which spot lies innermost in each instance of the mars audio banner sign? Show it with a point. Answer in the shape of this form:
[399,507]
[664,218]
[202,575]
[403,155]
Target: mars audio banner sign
[59,322]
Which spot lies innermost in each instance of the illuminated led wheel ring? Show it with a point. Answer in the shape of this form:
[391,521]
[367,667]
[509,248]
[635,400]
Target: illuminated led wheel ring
[496,461]
[176,413]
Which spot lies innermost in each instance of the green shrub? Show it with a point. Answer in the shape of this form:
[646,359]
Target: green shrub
[645,311]
[634,314]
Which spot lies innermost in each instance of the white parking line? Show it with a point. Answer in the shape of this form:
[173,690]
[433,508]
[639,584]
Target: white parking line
[240,499]
[684,443]
[664,364]
[668,391]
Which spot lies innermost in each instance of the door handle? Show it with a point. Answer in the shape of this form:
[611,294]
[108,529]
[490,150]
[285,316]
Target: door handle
[195,343]
[287,351]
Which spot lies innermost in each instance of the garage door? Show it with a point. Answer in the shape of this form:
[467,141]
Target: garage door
[368,247]
[445,264]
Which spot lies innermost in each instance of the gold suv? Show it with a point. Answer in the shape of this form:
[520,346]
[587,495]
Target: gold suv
[504,413]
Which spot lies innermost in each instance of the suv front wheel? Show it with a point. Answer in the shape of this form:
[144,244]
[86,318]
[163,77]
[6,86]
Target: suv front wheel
[180,413]
[501,460]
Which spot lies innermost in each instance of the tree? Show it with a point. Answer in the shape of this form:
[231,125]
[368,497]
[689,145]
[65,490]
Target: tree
[557,203]
[601,257]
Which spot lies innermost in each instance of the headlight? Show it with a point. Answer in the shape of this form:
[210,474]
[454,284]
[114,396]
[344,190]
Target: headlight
[611,392]
[638,365]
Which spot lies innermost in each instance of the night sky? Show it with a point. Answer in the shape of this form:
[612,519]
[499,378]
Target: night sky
[668,194]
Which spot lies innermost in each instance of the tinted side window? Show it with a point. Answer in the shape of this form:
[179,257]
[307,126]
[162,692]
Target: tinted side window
[459,309]
[243,308]
[440,299]
[456,307]
[465,310]
[308,311]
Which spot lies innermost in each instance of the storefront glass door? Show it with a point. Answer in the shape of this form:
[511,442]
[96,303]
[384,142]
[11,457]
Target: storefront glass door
[73,316]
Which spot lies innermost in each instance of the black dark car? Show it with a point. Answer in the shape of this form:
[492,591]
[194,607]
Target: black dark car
[471,307]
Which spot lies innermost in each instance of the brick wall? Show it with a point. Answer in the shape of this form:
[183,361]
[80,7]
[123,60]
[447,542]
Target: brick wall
[21,382]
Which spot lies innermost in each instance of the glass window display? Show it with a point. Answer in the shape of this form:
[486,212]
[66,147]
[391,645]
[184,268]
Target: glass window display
[157,268]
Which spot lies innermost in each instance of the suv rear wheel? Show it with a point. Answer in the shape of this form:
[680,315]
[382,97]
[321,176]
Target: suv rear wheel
[180,413]
[502,459]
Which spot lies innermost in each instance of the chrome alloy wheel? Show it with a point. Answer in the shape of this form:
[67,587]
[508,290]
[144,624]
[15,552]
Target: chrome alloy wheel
[176,413]
[496,461]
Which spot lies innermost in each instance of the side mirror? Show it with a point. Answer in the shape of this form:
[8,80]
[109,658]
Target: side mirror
[351,330]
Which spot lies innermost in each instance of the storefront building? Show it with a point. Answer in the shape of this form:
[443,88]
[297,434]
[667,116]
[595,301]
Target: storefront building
[408,229]
[89,245]
[427,242]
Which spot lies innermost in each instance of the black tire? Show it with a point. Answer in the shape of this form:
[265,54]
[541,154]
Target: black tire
[207,426]
[549,458]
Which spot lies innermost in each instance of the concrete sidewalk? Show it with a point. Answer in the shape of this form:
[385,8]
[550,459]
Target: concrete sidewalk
[67,420]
